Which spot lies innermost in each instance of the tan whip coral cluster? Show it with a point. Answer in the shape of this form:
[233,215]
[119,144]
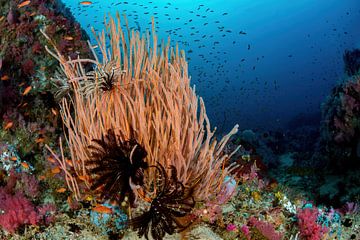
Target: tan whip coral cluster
[139,91]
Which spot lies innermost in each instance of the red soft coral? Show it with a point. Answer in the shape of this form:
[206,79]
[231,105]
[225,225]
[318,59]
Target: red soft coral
[16,210]
[309,228]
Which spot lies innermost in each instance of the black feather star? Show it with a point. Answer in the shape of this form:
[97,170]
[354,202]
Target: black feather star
[172,201]
[116,164]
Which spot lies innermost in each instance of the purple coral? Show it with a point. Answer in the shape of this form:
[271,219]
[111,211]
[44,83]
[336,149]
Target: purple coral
[22,182]
[47,213]
[32,185]
[265,228]
[349,208]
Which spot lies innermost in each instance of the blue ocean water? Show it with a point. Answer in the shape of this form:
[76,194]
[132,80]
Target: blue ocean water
[259,63]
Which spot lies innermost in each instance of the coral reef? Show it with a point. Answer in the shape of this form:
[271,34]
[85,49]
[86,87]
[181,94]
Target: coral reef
[139,88]
[16,210]
[138,152]
[22,53]
[124,137]
[309,227]
[16,207]
[340,130]
[339,144]
[352,61]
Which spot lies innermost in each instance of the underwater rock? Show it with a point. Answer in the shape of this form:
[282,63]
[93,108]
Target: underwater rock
[78,228]
[23,59]
[202,232]
[248,135]
[338,143]
[10,159]
[352,61]
[286,160]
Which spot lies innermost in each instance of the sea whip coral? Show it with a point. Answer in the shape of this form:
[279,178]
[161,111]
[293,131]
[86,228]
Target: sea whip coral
[151,95]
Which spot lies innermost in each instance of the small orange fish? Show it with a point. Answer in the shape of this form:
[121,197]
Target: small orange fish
[25,165]
[5,78]
[142,195]
[84,178]
[69,38]
[27,90]
[32,14]
[13,158]
[23,4]
[61,190]
[102,209]
[24,104]
[42,177]
[21,84]
[54,111]
[8,125]
[99,189]
[86,3]
[69,200]
[2,18]
[51,159]
[39,140]
[55,170]
[68,161]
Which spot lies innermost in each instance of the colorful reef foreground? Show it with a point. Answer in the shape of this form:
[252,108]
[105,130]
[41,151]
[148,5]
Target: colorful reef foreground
[124,148]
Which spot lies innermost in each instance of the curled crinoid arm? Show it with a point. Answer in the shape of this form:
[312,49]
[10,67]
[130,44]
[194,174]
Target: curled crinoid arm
[61,83]
[116,165]
[171,202]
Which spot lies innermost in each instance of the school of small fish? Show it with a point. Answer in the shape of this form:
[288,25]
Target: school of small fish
[220,51]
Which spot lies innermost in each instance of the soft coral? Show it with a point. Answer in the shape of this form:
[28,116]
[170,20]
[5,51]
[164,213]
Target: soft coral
[16,210]
[309,228]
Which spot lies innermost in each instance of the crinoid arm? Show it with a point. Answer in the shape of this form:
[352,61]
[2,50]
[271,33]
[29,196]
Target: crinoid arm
[171,202]
[114,163]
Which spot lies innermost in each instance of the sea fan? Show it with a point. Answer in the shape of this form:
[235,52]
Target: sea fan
[172,201]
[117,164]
